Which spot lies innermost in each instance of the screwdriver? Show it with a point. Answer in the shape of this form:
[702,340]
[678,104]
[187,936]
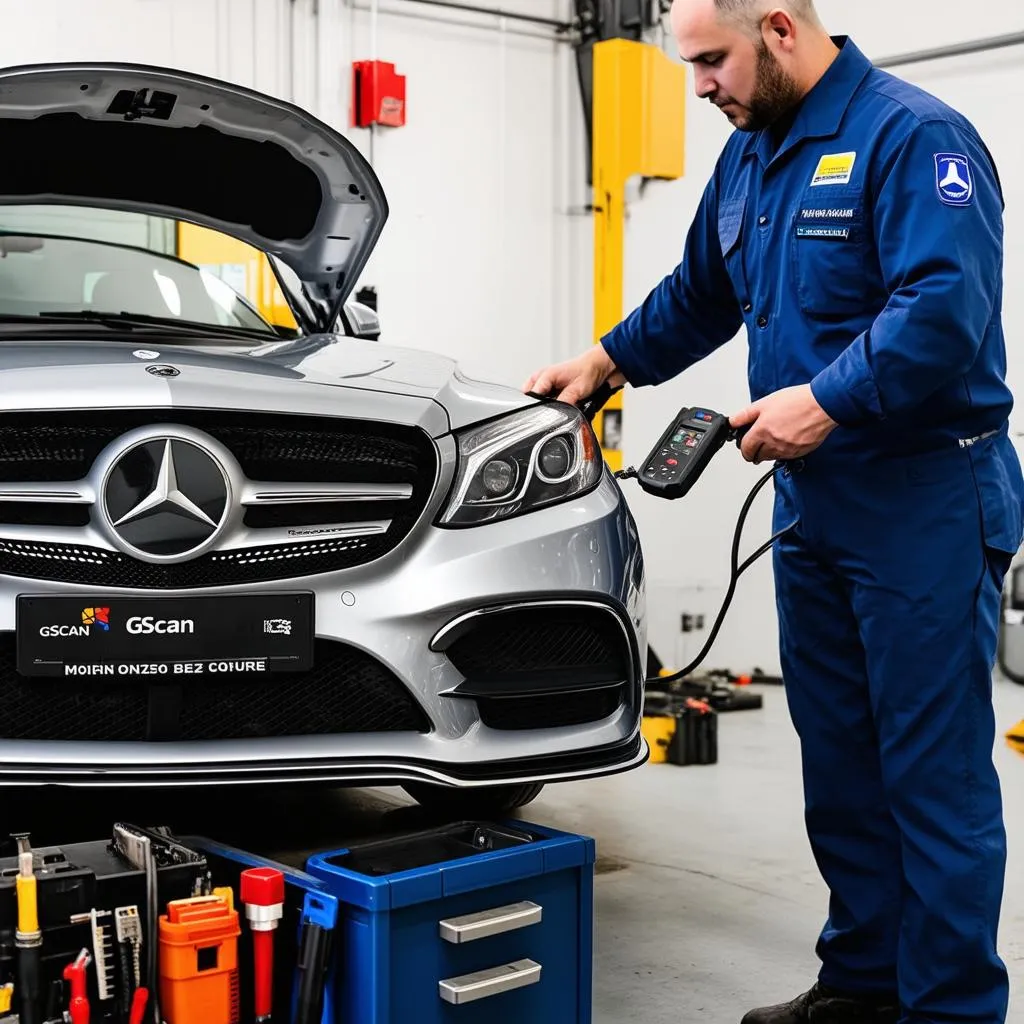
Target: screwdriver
[27,937]
[318,922]
[139,1000]
[262,893]
[74,974]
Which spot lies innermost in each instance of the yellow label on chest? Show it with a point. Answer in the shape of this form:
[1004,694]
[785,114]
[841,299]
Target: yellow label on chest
[834,169]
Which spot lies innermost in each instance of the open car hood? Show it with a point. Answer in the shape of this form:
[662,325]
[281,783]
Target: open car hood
[178,145]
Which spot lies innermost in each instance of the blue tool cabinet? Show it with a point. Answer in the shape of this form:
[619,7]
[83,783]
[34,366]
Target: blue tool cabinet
[433,930]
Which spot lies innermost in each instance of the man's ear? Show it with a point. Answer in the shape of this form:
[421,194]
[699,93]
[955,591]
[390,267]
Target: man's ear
[779,26]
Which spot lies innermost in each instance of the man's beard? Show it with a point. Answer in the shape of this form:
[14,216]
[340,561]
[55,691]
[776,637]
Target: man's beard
[775,93]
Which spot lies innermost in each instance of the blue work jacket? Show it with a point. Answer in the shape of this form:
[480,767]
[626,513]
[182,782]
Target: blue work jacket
[864,255]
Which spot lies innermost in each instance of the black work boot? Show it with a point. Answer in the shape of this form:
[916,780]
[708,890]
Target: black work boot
[822,1005]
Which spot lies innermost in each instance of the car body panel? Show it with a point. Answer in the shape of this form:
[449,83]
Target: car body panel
[401,384]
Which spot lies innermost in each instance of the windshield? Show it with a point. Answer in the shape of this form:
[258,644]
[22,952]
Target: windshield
[50,272]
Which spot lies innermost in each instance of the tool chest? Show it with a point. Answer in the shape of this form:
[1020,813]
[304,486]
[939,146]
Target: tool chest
[193,915]
[79,889]
[472,922]
[469,923]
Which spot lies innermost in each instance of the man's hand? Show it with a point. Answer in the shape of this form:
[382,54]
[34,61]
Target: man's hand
[785,425]
[578,378]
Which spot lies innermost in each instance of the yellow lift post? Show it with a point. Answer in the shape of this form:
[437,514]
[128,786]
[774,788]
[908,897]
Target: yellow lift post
[638,129]
[246,269]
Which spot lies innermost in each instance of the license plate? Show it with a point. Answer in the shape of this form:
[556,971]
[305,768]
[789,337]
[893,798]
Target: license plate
[167,637]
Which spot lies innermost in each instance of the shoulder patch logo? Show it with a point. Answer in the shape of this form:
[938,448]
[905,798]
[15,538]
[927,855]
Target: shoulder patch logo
[834,169]
[953,179]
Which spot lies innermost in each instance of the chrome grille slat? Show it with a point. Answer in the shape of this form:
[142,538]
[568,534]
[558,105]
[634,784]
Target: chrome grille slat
[252,538]
[265,493]
[46,493]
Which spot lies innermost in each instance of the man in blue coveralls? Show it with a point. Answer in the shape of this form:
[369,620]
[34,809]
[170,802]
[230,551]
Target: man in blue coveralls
[853,226]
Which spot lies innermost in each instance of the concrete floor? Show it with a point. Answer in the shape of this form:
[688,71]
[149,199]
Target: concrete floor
[691,925]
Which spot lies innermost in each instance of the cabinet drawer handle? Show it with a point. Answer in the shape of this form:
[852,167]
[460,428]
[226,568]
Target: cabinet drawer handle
[493,982]
[486,923]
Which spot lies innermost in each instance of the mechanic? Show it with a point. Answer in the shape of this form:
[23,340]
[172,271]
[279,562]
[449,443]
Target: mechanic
[853,226]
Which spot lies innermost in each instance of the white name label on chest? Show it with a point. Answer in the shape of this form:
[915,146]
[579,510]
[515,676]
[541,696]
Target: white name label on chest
[841,213]
[834,169]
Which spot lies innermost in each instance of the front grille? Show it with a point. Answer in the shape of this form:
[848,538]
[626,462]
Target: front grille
[61,447]
[347,691]
[550,712]
[542,639]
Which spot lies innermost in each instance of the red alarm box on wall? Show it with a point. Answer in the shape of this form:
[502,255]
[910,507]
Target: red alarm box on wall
[378,94]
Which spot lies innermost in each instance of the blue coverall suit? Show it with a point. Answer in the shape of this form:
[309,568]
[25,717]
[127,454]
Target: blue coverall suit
[875,275]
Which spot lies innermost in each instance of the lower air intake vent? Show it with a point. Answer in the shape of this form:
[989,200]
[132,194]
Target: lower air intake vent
[550,712]
[347,691]
[541,639]
[543,667]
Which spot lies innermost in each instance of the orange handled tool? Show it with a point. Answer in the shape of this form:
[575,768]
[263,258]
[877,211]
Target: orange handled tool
[199,962]
[262,893]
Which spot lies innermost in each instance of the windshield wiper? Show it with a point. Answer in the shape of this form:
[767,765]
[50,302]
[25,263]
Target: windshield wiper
[131,321]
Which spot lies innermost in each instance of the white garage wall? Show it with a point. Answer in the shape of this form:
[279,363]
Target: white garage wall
[471,261]
[695,535]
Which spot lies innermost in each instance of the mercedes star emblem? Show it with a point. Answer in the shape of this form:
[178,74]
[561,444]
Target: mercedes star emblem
[165,499]
[163,370]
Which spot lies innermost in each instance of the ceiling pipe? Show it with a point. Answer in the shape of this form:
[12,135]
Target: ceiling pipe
[956,50]
[533,19]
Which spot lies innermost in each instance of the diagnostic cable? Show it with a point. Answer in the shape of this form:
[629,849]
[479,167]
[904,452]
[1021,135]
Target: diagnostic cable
[671,469]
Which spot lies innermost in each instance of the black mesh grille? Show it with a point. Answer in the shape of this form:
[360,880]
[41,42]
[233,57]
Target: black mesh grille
[347,691]
[96,567]
[550,712]
[541,639]
[35,446]
[62,446]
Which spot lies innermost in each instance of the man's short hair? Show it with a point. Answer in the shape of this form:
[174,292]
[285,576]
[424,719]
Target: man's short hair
[748,12]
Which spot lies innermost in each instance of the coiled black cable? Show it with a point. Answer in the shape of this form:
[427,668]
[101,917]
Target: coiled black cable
[737,570]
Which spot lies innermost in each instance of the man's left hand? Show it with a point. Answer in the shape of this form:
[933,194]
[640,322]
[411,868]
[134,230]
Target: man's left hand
[785,425]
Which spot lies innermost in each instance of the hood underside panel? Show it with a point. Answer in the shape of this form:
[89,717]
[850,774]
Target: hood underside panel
[178,145]
[196,169]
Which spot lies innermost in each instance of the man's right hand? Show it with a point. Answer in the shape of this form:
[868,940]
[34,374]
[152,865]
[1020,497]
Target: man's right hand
[578,378]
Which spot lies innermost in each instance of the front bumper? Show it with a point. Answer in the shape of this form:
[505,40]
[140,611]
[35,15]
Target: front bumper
[571,766]
[392,609]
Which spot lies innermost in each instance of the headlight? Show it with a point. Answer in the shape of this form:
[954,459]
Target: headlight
[523,462]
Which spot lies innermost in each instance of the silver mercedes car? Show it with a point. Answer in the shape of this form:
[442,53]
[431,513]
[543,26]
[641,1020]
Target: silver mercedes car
[236,551]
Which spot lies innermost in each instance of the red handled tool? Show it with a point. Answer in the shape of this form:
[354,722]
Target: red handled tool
[74,973]
[262,893]
[138,1011]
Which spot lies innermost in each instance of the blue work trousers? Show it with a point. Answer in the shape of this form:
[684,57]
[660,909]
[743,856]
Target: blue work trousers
[888,594]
